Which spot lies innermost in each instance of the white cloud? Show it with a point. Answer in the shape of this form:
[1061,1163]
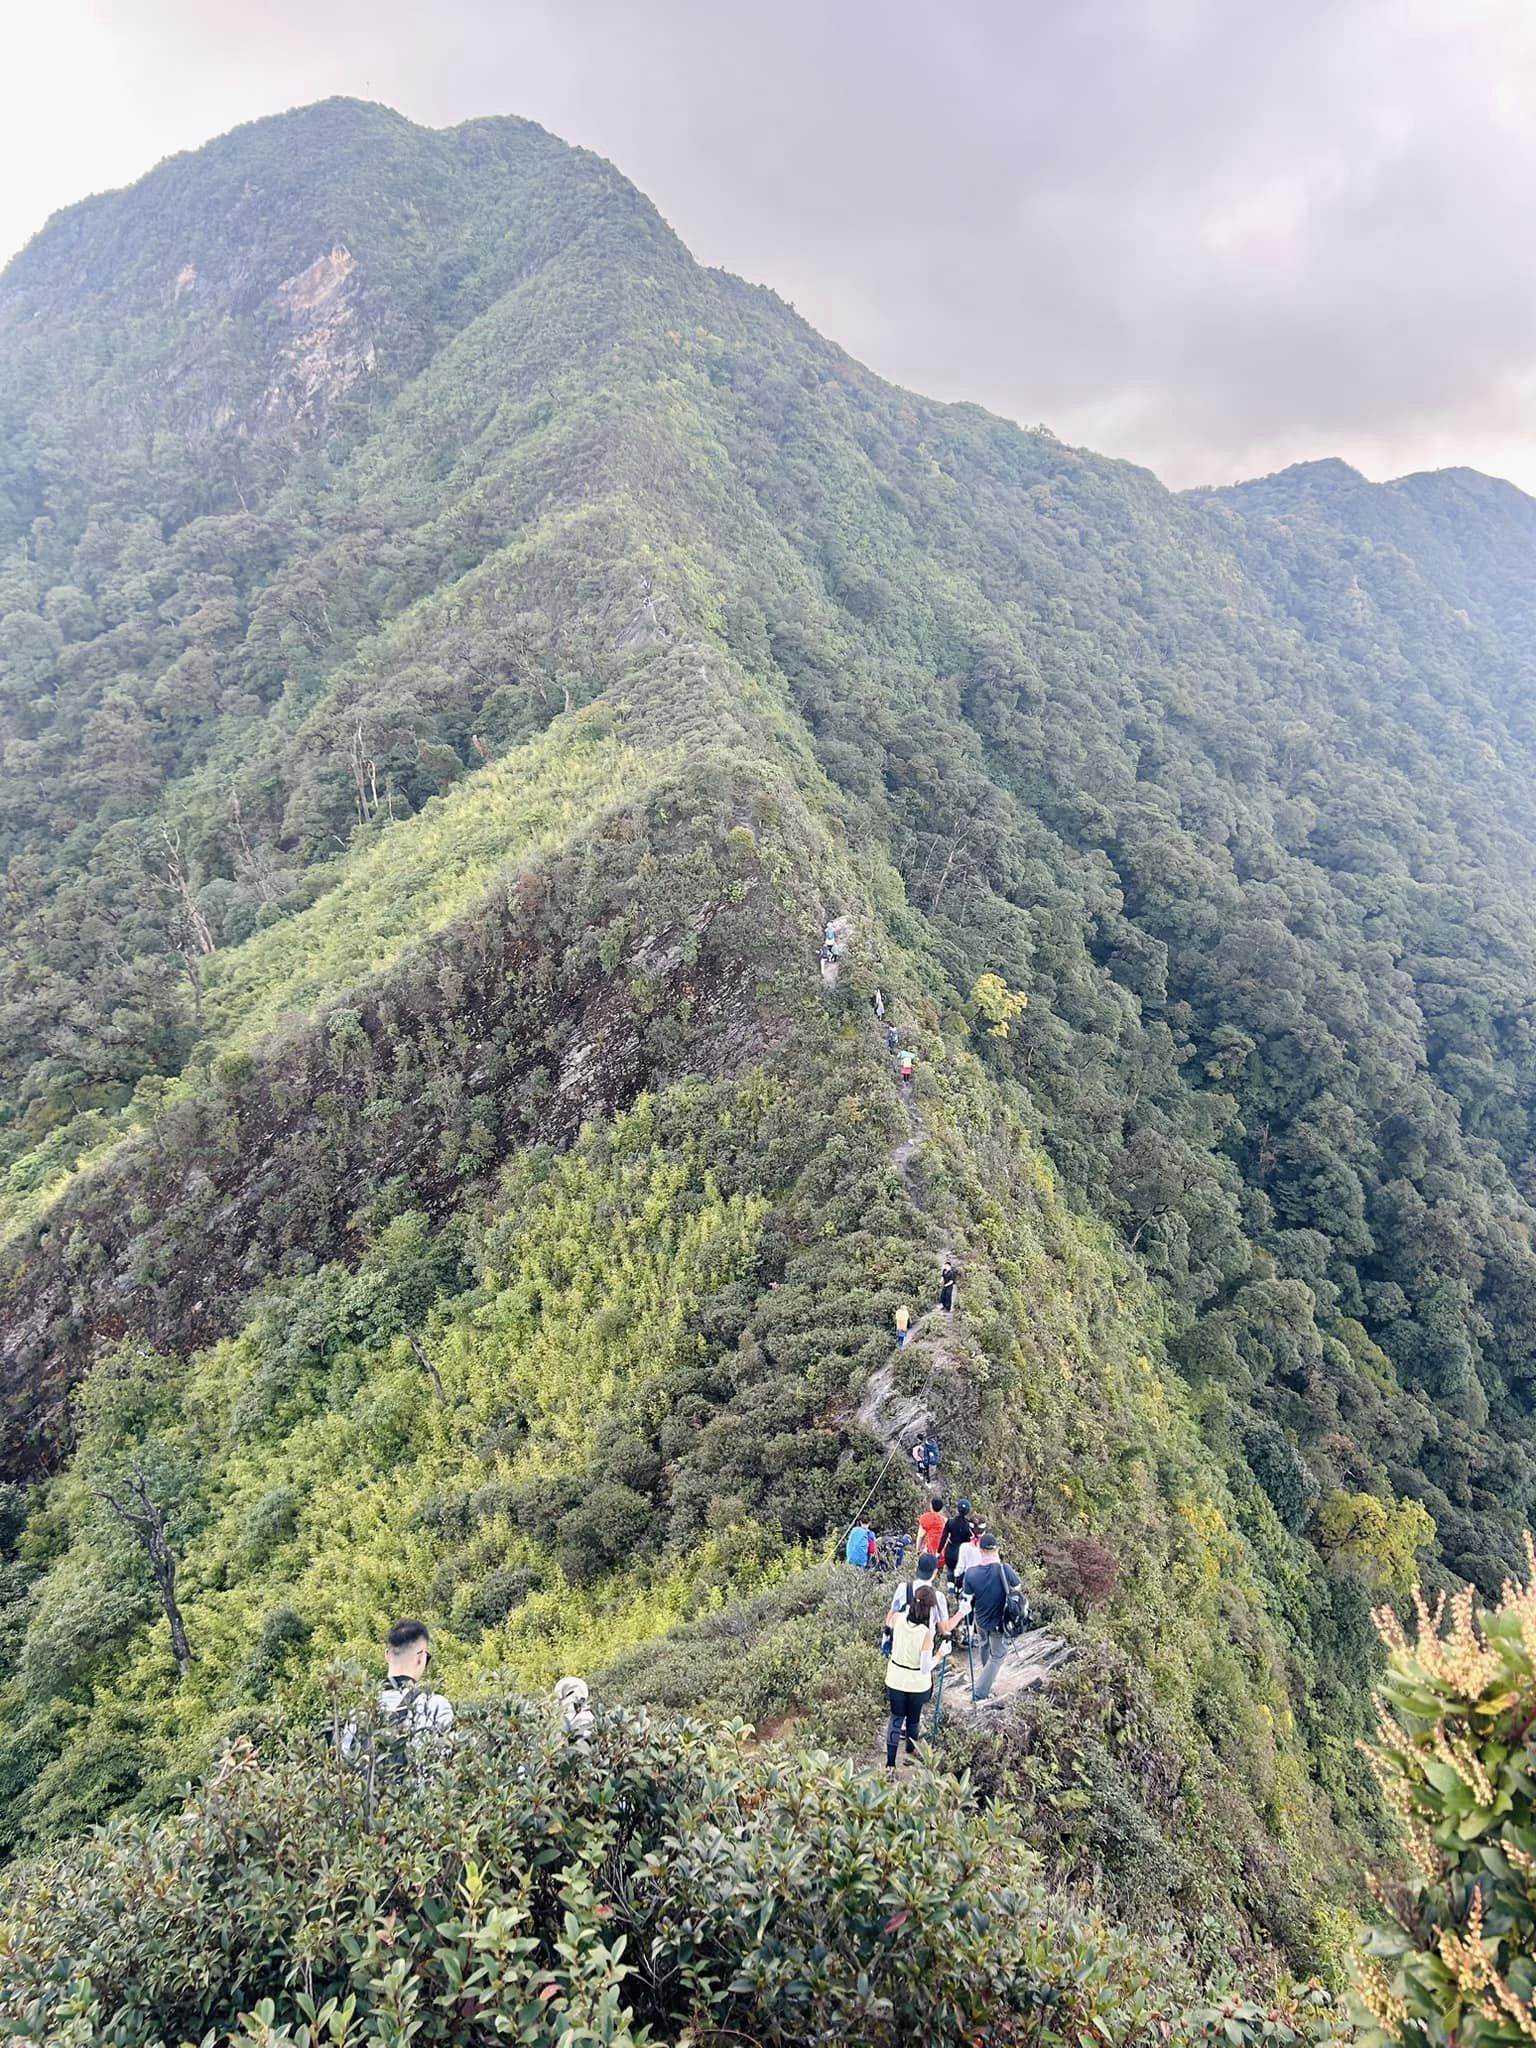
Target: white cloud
[1209,237]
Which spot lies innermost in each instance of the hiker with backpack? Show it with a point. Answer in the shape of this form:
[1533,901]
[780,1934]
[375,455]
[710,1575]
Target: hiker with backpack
[909,1671]
[892,1038]
[919,1461]
[927,1574]
[930,1458]
[862,1550]
[1001,1613]
[410,1718]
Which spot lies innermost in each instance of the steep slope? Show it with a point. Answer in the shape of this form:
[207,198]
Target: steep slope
[454,654]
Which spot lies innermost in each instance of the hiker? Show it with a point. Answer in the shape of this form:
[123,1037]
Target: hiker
[947,1278]
[892,1038]
[863,1547]
[576,1718]
[988,1585]
[957,1533]
[919,1461]
[930,1457]
[830,937]
[909,1671]
[409,1716]
[930,1528]
[970,1553]
[877,1004]
[903,1325]
[928,1575]
[906,1066]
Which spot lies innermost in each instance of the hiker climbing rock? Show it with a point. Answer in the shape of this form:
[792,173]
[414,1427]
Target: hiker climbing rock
[409,1717]
[930,1528]
[909,1671]
[1000,1613]
[903,1326]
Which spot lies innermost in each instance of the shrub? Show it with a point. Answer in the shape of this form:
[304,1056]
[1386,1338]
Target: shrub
[1454,1957]
[273,1520]
[498,1593]
[1082,1572]
[656,1885]
[604,1530]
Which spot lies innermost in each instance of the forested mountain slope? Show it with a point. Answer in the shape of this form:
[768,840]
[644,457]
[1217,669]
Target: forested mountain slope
[454,654]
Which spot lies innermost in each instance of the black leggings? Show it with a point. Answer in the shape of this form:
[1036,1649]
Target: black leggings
[906,1712]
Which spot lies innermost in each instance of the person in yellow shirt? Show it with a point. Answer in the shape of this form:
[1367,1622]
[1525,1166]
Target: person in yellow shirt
[909,1671]
[903,1325]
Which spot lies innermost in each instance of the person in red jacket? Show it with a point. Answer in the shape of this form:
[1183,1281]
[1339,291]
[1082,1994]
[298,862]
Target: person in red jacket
[930,1528]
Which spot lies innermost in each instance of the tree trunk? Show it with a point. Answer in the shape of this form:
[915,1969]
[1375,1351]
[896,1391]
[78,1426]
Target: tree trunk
[144,1519]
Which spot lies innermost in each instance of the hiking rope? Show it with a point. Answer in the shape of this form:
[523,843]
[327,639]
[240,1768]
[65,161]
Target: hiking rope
[864,1503]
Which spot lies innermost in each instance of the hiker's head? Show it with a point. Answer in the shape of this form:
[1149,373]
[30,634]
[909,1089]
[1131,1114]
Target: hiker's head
[923,1605]
[928,1564]
[408,1647]
[988,1543]
[937,1503]
[965,1507]
[571,1695]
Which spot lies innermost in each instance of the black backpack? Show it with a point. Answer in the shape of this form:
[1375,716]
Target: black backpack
[1015,1610]
[387,1745]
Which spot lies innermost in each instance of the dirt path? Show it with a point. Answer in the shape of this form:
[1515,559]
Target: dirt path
[1029,1662]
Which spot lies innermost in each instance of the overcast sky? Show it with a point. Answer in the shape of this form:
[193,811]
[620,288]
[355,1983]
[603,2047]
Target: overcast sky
[1215,236]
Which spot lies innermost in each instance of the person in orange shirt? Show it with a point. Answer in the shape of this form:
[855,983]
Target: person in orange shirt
[930,1527]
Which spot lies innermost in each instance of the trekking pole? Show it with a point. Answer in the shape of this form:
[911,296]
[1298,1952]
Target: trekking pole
[938,1702]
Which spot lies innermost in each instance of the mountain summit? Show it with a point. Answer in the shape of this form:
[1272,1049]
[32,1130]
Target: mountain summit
[457,658]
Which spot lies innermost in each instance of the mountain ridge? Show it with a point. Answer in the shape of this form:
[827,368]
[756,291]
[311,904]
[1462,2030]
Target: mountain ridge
[428,1146]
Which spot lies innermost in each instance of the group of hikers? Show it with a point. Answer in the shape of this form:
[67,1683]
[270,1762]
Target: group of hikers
[919,1632]
[957,1558]
[410,1717]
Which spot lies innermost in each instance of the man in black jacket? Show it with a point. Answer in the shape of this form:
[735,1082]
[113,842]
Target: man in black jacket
[987,1584]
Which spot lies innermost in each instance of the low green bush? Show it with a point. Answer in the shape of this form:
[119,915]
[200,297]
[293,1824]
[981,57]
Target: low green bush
[651,1883]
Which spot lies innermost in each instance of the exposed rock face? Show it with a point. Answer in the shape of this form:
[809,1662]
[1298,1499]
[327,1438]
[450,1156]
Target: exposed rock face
[329,351]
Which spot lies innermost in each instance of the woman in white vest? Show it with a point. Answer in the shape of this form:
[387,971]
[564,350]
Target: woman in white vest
[909,1671]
